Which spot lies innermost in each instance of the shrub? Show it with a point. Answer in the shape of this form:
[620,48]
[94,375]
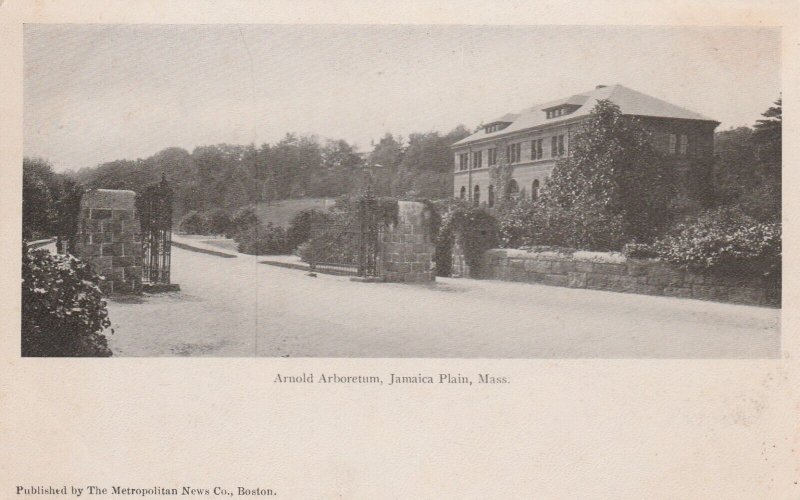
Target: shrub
[244,219]
[639,251]
[584,225]
[194,223]
[63,311]
[301,226]
[219,222]
[724,240]
[332,245]
[262,240]
[516,224]
[477,231]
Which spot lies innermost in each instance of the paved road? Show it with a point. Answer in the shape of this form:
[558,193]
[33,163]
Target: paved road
[238,307]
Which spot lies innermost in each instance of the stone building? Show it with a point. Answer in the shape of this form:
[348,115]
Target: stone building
[533,139]
[109,239]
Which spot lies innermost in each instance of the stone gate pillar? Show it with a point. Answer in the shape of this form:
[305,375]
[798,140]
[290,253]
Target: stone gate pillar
[407,247]
[108,239]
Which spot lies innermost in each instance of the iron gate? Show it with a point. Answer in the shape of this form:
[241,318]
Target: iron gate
[154,206]
[348,246]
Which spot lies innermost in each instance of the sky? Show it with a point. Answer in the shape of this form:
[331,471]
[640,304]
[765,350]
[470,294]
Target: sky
[98,93]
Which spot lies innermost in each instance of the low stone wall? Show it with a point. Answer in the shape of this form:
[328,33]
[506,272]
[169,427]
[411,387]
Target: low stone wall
[615,272]
[407,248]
[109,239]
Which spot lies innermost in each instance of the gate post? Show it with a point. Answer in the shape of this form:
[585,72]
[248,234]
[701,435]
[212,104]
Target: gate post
[407,246]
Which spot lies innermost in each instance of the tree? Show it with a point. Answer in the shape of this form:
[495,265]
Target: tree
[389,154]
[614,169]
[427,164]
[748,164]
[767,136]
[37,197]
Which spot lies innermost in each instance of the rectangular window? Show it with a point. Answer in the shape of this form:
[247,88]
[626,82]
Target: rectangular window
[554,146]
[537,149]
[514,152]
[463,161]
[561,150]
[684,145]
[477,159]
[492,156]
[673,140]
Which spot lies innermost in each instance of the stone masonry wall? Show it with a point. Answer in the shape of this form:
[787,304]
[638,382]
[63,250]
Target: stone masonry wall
[109,239]
[615,272]
[407,247]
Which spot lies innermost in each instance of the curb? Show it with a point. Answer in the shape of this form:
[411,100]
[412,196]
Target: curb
[203,250]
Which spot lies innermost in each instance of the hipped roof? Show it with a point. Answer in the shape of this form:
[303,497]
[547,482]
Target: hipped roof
[630,102]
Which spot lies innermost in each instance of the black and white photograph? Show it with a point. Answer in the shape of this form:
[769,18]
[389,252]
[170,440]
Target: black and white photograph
[401,191]
[350,249]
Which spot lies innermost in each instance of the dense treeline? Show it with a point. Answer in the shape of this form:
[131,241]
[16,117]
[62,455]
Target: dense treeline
[229,176]
[49,201]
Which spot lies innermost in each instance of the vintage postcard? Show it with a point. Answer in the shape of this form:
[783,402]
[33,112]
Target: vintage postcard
[558,251]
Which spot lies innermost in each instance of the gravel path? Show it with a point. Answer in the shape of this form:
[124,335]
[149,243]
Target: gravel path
[238,307]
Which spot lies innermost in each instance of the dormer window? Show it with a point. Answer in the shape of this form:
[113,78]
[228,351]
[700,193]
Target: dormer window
[560,110]
[496,126]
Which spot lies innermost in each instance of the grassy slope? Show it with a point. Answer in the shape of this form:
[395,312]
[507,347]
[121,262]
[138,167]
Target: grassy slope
[280,213]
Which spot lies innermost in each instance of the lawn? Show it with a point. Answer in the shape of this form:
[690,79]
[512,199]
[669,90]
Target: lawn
[281,213]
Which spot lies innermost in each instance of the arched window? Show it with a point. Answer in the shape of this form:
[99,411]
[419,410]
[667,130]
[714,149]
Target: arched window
[476,194]
[535,190]
[491,195]
[513,189]
[463,192]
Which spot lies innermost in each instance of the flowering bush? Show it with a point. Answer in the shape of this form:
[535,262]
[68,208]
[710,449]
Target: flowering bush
[724,240]
[63,311]
[639,251]
[516,224]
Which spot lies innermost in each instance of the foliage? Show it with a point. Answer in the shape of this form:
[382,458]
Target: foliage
[768,138]
[639,251]
[444,236]
[516,219]
[585,225]
[475,229]
[725,240]
[63,311]
[195,223]
[50,201]
[501,174]
[747,167]
[231,176]
[244,219]
[333,244]
[219,222]
[300,229]
[262,239]
[426,169]
[614,171]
